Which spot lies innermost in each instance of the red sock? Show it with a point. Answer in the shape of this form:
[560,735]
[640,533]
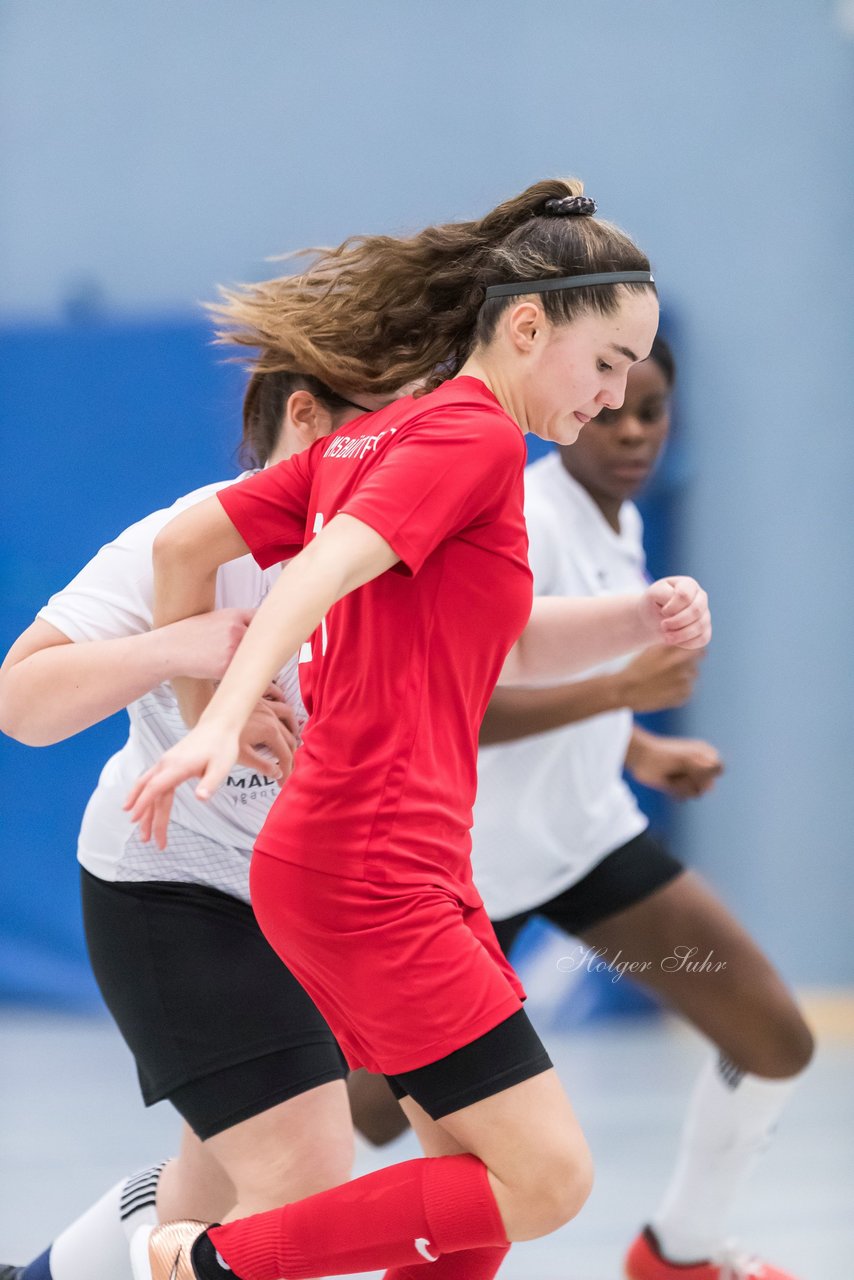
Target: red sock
[467,1264]
[398,1217]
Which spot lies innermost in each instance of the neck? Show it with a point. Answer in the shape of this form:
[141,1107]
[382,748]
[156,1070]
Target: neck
[283,450]
[478,366]
[610,507]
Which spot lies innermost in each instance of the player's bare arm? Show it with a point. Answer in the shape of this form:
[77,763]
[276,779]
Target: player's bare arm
[345,555]
[186,554]
[564,636]
[52,687]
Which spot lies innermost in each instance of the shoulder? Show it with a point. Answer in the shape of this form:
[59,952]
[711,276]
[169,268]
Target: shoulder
[145,530]
[462,410]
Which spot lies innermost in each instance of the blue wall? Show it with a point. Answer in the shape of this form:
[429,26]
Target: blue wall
[152,151]
[106,423]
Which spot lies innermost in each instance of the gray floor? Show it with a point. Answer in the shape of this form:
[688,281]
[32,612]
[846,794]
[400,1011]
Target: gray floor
[71,1124]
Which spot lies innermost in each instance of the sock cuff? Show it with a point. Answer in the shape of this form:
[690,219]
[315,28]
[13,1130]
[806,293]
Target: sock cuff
[459,1204]
[261,1244]
[139,1192]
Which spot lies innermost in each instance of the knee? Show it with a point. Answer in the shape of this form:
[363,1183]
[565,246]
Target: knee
[798,1047]
[784,1047]
[554,1193]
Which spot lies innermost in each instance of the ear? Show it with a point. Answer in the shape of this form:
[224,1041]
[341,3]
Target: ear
[307,417]
[525,323]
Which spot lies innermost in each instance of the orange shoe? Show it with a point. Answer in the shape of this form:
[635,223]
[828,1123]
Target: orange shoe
[163,1253]
[644,1261]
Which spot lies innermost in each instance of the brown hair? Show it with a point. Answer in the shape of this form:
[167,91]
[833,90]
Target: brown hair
[662,355]
[264,404]
[382,311]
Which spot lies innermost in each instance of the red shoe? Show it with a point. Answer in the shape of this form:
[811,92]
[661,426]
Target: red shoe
[644,1261]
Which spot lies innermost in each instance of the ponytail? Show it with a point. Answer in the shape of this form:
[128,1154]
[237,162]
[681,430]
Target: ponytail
[379,312]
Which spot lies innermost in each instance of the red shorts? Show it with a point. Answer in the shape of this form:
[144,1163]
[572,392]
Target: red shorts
[404,975]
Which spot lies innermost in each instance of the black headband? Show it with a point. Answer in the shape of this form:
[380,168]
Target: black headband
[569,282]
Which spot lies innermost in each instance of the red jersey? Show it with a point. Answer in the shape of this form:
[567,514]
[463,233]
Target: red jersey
[397,677]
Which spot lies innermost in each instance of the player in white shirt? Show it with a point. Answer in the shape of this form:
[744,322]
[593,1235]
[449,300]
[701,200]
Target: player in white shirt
[558,833]
[215,1021]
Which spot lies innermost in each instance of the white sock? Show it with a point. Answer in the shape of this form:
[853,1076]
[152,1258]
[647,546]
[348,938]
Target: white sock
[730,1120]
[95,1246]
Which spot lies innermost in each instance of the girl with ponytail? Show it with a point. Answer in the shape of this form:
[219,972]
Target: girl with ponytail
[408,596]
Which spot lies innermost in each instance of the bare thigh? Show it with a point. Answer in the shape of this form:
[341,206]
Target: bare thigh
[285,1153]
[288,1152]
[706,966]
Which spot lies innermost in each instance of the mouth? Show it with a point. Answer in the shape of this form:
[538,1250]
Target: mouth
[631,470]
[582,417]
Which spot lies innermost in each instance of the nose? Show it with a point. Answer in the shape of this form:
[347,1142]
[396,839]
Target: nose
[613,393]
[630,429]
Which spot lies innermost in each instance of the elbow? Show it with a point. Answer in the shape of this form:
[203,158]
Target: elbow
[21,728]
[19,720]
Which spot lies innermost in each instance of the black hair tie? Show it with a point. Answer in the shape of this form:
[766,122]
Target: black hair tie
[570,207]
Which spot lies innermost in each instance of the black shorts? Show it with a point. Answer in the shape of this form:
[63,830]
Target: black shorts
[626,876]
[215,1021]
[506,1055]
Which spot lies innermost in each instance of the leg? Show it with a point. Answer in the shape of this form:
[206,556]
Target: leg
[466,1264]
[194,1184]
[202,1000]
[284,1153]
[292,1150]
[519,1168]
[375,958]
[539,1164]
[95,1245]
[744,1008]
[377,1114]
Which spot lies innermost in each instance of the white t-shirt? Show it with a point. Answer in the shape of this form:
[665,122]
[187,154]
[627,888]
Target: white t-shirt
[551,806]
[209,843]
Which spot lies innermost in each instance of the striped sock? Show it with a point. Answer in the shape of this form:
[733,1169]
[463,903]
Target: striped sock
[138,1200]
[95,1245]
[729,1123]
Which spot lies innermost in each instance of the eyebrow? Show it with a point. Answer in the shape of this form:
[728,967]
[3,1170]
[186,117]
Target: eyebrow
[625,351]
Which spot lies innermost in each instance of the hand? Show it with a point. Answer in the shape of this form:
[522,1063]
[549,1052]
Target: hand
[267,742]
[204,645]
[659,678]
[207,752]
[676,612]
[270,736]
[680,767]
